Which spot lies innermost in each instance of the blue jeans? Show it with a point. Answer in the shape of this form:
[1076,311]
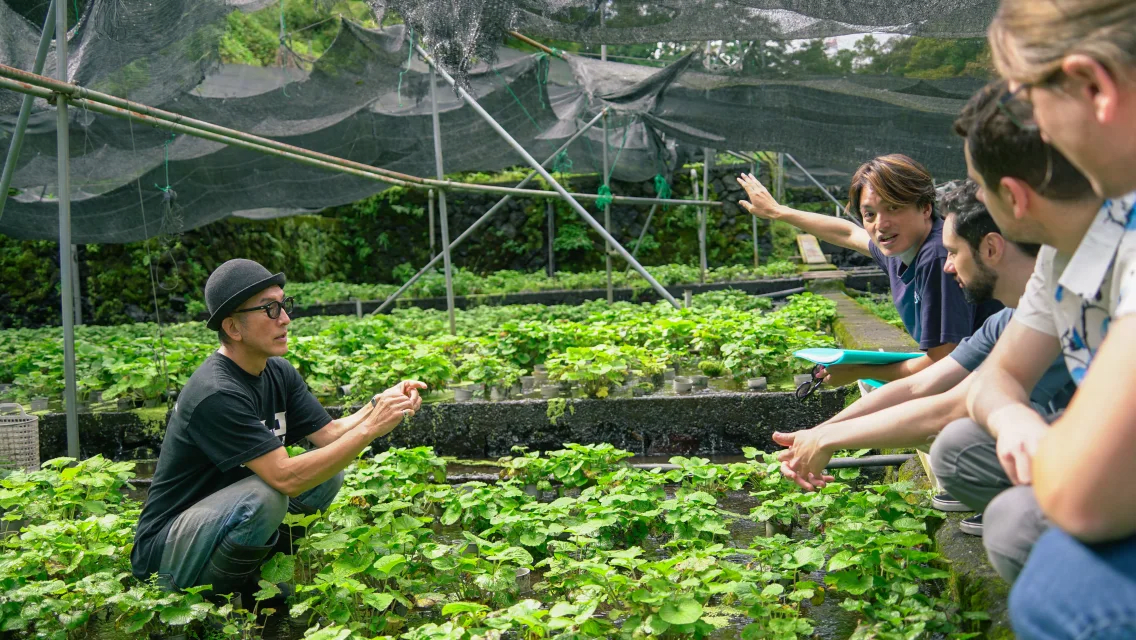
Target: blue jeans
[1070,590]
[225,537]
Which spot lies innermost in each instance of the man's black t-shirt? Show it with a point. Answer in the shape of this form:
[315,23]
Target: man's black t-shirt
[224,417]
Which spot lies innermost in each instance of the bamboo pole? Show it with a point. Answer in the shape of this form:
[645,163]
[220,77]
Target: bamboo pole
[40,86]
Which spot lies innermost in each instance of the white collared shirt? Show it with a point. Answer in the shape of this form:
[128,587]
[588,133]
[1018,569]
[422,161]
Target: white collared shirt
[1075,298]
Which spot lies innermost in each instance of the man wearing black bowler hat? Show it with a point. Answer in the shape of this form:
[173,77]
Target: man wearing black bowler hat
[224,480]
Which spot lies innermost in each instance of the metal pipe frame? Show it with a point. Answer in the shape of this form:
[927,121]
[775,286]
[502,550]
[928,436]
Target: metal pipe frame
[485,216]
[430,207]
[443,218]
[707,158]
[808,175]
[551,213]
[26,109]
[472,102]
[756,257]
[780,176]
[607,212]
[67,277]
[43,87]
[642,234]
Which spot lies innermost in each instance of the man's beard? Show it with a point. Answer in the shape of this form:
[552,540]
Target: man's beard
[981,288]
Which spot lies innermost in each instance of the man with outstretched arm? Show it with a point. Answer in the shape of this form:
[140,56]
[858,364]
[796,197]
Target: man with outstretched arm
[914,410]
[894,198]
[224,480]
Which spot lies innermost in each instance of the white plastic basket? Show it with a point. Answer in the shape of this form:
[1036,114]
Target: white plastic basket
[19,439]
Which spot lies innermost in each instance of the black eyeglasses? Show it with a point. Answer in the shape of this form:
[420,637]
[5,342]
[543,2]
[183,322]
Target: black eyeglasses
[1023,121]
[272,309]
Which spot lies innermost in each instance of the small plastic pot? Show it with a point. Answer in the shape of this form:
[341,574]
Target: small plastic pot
[524,580]
[683,384]
[39,404]
[757,384]
[463,394]
[700,380]
[527,383]
[802,378]
[550,391]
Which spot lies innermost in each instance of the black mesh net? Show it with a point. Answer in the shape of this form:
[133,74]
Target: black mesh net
[367,99]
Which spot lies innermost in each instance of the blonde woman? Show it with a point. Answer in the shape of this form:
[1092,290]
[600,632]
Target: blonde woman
[1072,71]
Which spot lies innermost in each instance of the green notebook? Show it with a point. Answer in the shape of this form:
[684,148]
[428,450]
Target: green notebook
[851,356]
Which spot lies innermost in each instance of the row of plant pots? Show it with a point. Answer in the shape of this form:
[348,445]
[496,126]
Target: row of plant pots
[86,402]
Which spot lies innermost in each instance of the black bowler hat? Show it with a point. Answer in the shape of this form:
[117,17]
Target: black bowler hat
[231,284]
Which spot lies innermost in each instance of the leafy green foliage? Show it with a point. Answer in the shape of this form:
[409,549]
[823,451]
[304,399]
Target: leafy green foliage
[620,553]
[595,345]
[882,306]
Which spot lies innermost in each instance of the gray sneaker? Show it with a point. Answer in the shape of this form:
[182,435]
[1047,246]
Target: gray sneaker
[972,525]
[947,502]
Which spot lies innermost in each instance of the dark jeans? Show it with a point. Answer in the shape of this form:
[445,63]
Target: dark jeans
[1070,590]
[224,538]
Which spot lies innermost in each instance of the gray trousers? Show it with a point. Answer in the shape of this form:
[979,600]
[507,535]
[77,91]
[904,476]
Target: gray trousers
[965,460]
[224,538]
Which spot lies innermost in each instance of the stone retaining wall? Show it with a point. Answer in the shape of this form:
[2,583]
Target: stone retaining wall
[704,423]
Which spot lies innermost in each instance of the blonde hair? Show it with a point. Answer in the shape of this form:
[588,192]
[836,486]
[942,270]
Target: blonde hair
[1029,38]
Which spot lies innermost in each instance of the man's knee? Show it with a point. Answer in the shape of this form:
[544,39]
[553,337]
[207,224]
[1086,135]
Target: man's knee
[318,498]
[954,439]
[267,503]
[1012,523]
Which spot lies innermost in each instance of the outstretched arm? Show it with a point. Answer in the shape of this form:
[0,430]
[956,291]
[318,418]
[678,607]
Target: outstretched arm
[828,228]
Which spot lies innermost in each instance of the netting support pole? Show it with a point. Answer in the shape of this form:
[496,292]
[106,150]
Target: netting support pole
[26,109]
[556,186]
[607,214]
[485,217]
[551,208]
[606,173]
[707,157]
[839,207]
[753,221]
[445,223]
[780,177]
[63,153]
[430,212]
[642,234]
[78,285]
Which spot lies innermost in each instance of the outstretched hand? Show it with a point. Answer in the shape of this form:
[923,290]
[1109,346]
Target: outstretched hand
[804,460]
[761,202]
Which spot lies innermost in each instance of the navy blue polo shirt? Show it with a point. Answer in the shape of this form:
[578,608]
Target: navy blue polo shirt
[1051,394]
[928,299]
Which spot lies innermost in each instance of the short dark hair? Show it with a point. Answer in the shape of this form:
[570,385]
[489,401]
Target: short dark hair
[973,221]
[999,148]
[896,178]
